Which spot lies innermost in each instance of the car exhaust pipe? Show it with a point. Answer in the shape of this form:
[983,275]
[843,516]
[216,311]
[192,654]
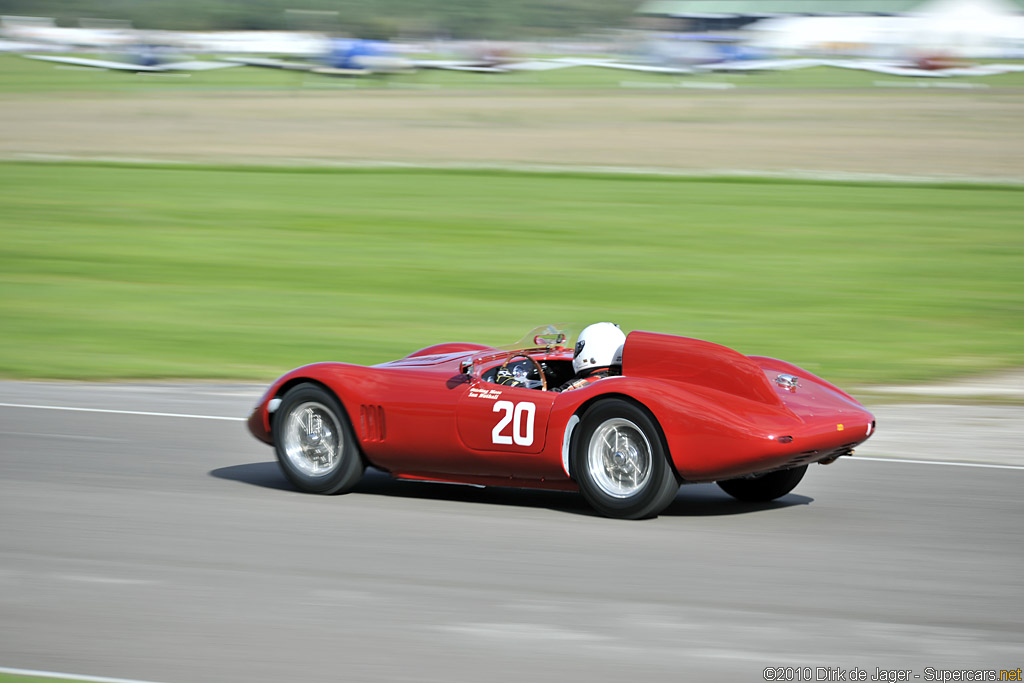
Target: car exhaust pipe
[835,456]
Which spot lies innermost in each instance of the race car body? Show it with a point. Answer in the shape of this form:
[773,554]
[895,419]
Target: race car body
[681,411]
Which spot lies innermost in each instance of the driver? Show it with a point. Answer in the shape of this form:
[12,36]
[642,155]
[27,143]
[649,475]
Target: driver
[598,354]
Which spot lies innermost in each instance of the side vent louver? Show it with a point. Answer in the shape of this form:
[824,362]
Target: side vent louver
[371,422]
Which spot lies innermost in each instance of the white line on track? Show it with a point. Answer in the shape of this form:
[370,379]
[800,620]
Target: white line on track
[936,462]
[102,580]
[69,677]
[123,412]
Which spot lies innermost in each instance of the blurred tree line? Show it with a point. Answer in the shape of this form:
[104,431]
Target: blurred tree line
[380,19]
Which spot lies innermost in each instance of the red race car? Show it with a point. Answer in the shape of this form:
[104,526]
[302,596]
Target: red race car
[624,420]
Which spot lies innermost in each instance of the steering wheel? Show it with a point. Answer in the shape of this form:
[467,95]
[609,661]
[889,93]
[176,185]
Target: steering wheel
[540,370]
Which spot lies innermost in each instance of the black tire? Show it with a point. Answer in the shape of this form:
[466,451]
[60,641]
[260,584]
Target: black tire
[765,487]
[630,477]
[314,441]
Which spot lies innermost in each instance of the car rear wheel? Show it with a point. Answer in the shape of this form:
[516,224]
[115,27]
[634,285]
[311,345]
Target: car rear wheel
[619,462]
[314,441]
[764,487]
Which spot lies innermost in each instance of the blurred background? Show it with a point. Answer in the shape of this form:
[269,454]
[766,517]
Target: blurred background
[227,189]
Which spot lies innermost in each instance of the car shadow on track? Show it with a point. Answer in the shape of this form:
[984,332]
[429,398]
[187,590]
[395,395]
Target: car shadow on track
[697,500]
[707,500]
[377,483]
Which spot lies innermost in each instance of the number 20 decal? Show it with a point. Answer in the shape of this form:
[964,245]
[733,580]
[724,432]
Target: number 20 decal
[521,417]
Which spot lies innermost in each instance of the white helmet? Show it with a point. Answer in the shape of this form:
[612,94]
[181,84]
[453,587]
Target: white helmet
[600,345]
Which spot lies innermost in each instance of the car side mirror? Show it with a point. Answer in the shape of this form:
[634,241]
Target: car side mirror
[466,367]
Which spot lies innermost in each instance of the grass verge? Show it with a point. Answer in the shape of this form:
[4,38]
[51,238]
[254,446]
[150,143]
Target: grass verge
[120,271]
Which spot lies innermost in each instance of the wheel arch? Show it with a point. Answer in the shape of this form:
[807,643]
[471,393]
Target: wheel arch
[569,438]
[293,382]
[348,384]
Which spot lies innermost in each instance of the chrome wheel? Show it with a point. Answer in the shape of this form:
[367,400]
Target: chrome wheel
[312,439]
[619,458]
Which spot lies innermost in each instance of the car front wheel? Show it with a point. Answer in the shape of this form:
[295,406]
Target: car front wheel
[314,441]
[619,462]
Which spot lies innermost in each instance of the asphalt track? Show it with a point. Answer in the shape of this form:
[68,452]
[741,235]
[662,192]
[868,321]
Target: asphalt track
[170,548]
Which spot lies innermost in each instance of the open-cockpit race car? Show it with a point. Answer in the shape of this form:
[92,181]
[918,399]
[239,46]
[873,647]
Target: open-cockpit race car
[666,411]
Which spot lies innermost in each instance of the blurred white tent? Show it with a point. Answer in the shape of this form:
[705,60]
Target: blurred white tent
[970,28]
[973,29]
[44,31]
[105,34]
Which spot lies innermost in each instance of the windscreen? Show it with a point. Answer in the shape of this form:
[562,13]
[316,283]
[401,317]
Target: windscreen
[555,335]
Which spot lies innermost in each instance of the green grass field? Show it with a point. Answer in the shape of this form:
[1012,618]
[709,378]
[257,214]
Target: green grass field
[113,271]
